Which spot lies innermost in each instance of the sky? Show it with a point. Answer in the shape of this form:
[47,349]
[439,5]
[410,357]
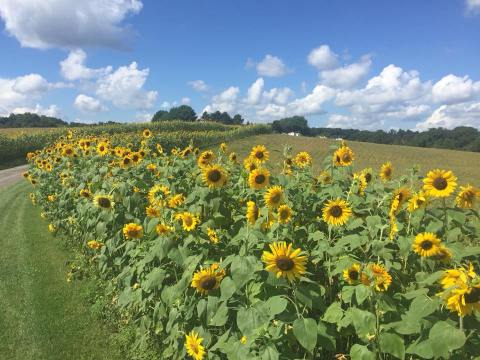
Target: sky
[366,64]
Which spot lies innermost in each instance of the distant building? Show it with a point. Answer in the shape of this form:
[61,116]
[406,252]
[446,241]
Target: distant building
[322,137]
[293,134]
[339,139]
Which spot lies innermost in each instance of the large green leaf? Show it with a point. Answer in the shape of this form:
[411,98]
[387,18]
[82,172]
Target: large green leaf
[392,344]
[360,352]
[305,330]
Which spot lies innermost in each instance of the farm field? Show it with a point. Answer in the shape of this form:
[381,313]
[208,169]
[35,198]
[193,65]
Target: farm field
[465,165]
[14,132]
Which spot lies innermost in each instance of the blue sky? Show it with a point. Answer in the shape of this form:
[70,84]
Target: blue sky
[360,64]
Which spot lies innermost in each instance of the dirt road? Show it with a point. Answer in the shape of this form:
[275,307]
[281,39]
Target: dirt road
[10,176]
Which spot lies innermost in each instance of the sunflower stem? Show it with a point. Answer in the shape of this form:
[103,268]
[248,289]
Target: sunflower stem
[445,215]
[461,323]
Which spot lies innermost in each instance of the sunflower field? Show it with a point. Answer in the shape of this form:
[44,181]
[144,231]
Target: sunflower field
[215,257]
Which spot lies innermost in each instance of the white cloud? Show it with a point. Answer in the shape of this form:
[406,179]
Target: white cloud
[347,76]
[166,105]
[450,116]
[473,6]
[453,89]
[45,24]
[278,95]
[199,85]
[323,58]
[254,93]
[225,101]
[271,66]
[124,88]
[73,67]
[143,117]
[88,104]
[52,110]
[185,101]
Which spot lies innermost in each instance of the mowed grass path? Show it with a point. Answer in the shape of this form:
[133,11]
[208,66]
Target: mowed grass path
[41,315]
[465,165]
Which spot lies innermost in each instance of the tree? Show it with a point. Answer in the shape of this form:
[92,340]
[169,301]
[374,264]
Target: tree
[160,116]
[222,117]
[183,112]
[292,124]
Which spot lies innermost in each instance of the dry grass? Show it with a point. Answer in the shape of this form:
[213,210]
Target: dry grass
[465,165]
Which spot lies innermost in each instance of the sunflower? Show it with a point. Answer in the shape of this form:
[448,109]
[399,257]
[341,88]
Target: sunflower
[136,157]
[212,235]
[467,196]
[252,212]
[207,279]
[132,231]
[214,176]
[259,153]
[205,158]
[324,177]
[126,162]
[303,159]
[223,147]
[386,171]
[426,244]
[352,275]
[151,167]
[147,134]
[399,197]
[259,178]
[380,276]
[189,221]
[152,211]
[175,201]
[284,214]
[157,195]
[464,299]
[52,228]
[336,212]
[367,174]
[94,244]
[284,261]
[102,148]
[444,254]
[104,201]
[85,193]
[193,344]
[159,148]
[343,156]
[274,196]
[163,229]
[439,183]
[68,150]
[232,157]
[249,164]
[361,182]
[457,277]
[417,201]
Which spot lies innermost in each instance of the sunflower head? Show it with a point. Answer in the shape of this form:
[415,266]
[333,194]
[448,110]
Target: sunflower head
[147,134]
[380,277]
[259,154]
[214,176]
[259,178]
[207,279]
[386,171]
[467,197]
[439,183]
[104,201]
[85,193]
[343,156]
[336,212]
[417,201]
[194,347]
[94,244]
[152,211]
[102,148]
[158,194]
[232,157]
[175,201]
[132,231]
[303,159]
[284,214]
[205,158]
[284,261]
[212,235]
[352,275]
[163,229]
[274,196]
[426,244]
[324,178]
[252,212]
[188,220]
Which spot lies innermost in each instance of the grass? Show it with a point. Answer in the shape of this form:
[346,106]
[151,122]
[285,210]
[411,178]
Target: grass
[465,165]
[42,316]
[14,132]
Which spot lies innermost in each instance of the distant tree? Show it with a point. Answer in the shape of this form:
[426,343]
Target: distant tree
[222,117]
[182,112]
[238,120]
[30,120]
[160,116]
[291,124]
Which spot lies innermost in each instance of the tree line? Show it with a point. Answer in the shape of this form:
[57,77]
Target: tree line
[186,113]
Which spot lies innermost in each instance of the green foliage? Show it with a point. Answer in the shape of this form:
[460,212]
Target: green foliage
[292,124]
[182,112]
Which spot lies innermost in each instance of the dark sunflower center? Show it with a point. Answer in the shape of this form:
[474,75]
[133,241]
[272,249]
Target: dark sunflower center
[126,161]
[259,155]
[469,196]
[102,148]
[284,263]
[346,158]
[426,245]
[336,211]
[368,177]
[135,158]
[188,220]
[288,161]
[260,179]
[387,172]
[208,282]
[68,151]
[214,175]
[440,183]
[473,296]
[104,202]
[276,198]
[353,274]
[284,214]
[419,202]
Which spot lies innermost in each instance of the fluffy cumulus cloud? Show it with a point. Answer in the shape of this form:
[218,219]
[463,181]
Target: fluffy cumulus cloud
[88,104]
[272,66]
[453,89]
[225,101]
[45,24]
[254,93]
[347,76]
[51,110]
[450,116]
[323,58]
[74,68]
[199,85]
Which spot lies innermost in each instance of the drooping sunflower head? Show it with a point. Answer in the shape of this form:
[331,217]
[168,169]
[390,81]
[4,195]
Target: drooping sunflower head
[132,231]
[444,255]
[274,196]
[284,214]
[399,197]
[104,201]
[214,176]
[232,157]
[85,193]
[386,171]
[417,201]
[464,300]
[467,197]
[249,164]
[352,275]
[194,347]
[439,183]
[147,134]
[163,229]
[284,261]
[426,244]
[259,153]
[207,279]
[212,235]
[324,177]
[343,156]
[188,220]
[252,212]
[380,276]
[259,178]
[336,212]
[175,201]
[152,211]
[205,158]
[303,159]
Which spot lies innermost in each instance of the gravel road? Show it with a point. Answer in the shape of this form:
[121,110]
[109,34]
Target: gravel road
[10,176]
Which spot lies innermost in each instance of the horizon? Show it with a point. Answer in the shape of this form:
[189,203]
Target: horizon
[361,65]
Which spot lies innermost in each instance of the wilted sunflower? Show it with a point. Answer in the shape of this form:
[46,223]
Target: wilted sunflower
[85,193]
[426,244]
[259,178]
[439,183]
[132,231]
[102,148]
[336,212]
[158,194]
[274,196]
[303,159]
[214,176]
[343,156]
[386,171]
[284,261]
[381,278]
[193,344]
[259,153]
[417,201]
[163,229]
[175,201]
[353,275]
[147,134]
[104,201]
[284,214]
[212,235]
[249,164]
[205,158]
[467,196]
[252,212]
[189,221]
[206,280]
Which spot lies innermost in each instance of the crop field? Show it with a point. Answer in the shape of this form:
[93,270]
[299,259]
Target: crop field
[14,132]
[249,251]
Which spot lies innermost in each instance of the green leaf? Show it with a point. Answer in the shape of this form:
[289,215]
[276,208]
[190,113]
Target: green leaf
[270,353]
[250,319]
[422,306]
[154,279]
[243,268]
[325,338]
[276,305]
[360,352]
[334,313]
[445,338]
[305,330]
[364,322]
[392,344]
[221,316]
[361,293]
[227,288]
